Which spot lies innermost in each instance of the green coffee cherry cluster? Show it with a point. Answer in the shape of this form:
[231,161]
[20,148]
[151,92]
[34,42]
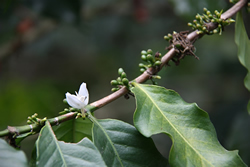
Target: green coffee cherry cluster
[68,110]
[33,119]
[71,109]
[121,81]
[201,22]
[149,59]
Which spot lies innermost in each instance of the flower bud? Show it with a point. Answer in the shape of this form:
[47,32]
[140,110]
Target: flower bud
[157,63]
[123,75]
[42,121]
[190,24]
[120,71]
[114,89]
[166,37]
[73,109]
[114,82]
[157,77]
[232,20]
[144,57]
[66,110]
[149,51]
[199,32]
[141,65]
[143,52]
[65,101]
[205,10]
[142,70]
[125,81]
[150,58]
[198,25]
[119,79]
[215,31]
[62,112]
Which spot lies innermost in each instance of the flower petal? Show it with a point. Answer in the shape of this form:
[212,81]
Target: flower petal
[74,101]
[83,91]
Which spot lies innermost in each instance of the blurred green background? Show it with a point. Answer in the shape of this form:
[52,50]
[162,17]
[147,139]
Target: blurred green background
[48,48]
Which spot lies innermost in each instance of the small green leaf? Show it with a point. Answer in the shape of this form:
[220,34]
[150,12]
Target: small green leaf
[73,130]
[243,43]
[194,138]
[122,145]
[10,156]
[51,152]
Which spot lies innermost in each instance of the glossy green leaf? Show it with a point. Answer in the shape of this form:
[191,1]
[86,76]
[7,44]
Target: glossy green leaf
[243,43]
[10,156]
[122,145]
[51,152]
[73,130]
[194,138]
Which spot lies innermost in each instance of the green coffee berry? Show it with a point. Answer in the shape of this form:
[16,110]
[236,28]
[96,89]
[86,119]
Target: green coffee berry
[144,57]
[149,51]
[65,101]
[114,82]
[141,65]
[150,58]
[215,31]
[114,89]
[123,75]
[119,80]
[120,71]
[62,112]
[157,63]
[143,52]
[166,37]
[157,77]
[142,70]
[125,81]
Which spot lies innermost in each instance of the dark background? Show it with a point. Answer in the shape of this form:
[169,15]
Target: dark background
[48,48]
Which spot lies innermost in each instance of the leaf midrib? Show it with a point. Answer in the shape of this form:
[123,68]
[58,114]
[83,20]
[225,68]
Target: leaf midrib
[172,124]
[57,145]
[109,140]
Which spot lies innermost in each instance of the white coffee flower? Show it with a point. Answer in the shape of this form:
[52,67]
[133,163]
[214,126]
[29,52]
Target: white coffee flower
[81,99]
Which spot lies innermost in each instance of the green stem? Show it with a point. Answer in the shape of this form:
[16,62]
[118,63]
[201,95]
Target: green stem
[11,130]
